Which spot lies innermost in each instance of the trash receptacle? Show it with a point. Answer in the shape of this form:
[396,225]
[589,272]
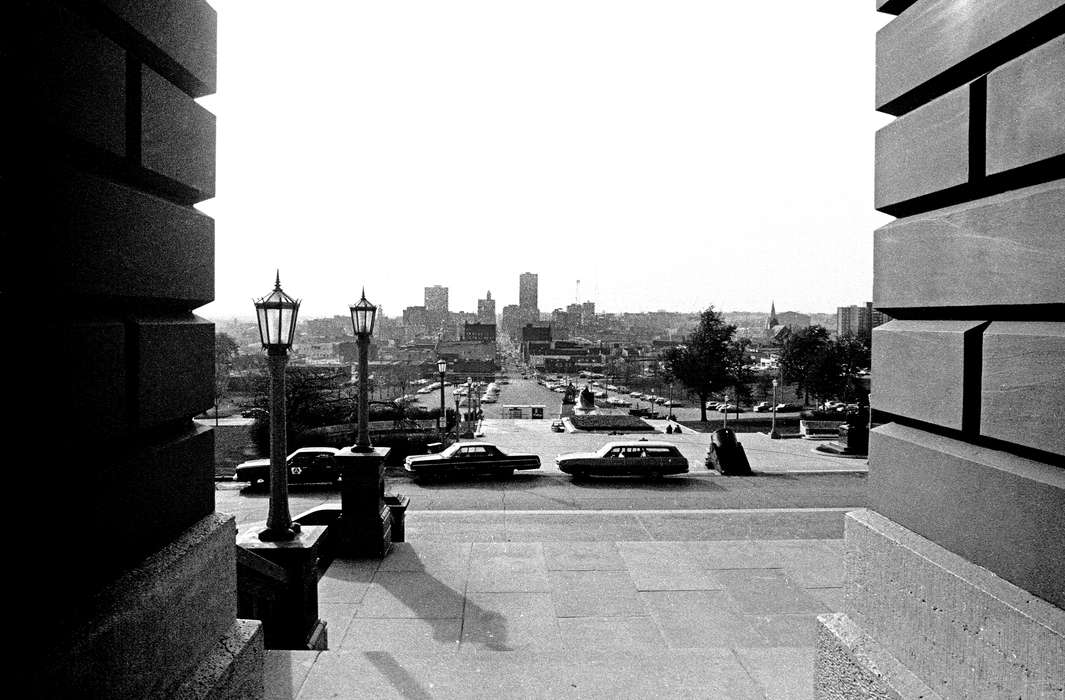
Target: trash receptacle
[397,506]
[726,454]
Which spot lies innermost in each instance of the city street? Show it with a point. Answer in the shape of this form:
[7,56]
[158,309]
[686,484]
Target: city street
[792,474]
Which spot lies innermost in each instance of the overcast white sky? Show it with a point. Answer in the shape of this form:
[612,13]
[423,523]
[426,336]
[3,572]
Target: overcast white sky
[669,154]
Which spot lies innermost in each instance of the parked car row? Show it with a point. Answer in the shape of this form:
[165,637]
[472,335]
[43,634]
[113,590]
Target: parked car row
[625,458]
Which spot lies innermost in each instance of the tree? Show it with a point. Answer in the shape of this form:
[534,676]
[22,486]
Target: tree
[822,367]
[802,359]
[711,360]
[225,351]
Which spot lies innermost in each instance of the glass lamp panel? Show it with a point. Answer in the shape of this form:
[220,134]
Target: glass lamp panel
[286,324]
[263,323]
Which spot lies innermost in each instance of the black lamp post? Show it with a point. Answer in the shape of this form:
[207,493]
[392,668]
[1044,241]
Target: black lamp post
[773,434]
[441,367]
[276,313]
[363,315]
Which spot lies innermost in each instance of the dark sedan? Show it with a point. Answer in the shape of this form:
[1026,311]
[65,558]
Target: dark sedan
[641,457]
[470,457]
[305,465]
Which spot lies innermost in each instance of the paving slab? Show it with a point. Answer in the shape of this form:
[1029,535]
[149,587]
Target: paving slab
[595,594]
[784,673]
[510,622]
[701,619]
[413,594]
[429,636]
[583,556]
[285,672]
[767,592]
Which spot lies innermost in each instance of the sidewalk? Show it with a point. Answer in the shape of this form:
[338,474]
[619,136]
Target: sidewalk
[578,604]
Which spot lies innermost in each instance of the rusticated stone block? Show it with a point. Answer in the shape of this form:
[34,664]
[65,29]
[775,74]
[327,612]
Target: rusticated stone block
[1003,250]
[957,627]
[92,238]
[182,31]
[923,152]
[177,135]
[998,510]
[1023,384]
[70,78]
[919,369]
[1025,104]
[233,669]
[175,368]
[935,36]
[85,379]
[149,629]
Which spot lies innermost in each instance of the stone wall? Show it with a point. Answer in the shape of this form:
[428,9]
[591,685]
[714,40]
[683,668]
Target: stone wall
[968,381]
[106,152]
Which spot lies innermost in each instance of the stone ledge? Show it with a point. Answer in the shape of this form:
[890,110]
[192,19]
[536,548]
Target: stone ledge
[233,669]
[850,664]
[960,628]
[149,629]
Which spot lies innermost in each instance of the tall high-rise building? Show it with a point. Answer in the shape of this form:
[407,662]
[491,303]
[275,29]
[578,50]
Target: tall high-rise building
[527,291]
[436,299]
[486,309]
[855,320]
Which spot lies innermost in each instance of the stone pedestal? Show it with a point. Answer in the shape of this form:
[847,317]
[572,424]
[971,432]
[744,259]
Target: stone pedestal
[296,624]
[364,528]
[920,621]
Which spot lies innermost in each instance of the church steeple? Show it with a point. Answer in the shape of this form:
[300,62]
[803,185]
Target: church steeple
[772,320]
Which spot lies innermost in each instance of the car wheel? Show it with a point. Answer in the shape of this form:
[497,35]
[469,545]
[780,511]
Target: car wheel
[656,475]
[578,476]
[506,472]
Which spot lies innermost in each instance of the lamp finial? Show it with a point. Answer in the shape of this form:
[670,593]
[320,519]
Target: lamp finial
[277,281]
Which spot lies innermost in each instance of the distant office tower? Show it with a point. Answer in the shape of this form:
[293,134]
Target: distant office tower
[854,320]
[436,299]
[587,312]
[486,309]
[527,291]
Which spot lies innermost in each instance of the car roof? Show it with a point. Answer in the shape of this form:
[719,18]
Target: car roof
[639,443]
[330,450]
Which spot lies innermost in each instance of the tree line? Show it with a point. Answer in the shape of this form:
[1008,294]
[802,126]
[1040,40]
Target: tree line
[713,361]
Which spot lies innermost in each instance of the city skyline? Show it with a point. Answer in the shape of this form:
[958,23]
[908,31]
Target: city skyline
[632,155]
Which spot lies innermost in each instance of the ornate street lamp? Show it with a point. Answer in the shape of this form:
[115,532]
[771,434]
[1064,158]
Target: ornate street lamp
[276,313]
[773,434]
[441,367]
[363,315]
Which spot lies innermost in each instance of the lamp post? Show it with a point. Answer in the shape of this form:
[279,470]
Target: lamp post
[773,434]
[725,423]
[441,367]
[276,313]
[469,398]
[670,416]
[363,315]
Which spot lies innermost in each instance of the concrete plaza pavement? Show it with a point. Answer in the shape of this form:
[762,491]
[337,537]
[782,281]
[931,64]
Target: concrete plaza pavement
[534,586]
[577,604]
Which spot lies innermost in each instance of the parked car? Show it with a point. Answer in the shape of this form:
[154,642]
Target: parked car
[762,407]
[785,407]
[729,408]
[305,466]
[638,457]
[254,413]
[558,426]
[470,457]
